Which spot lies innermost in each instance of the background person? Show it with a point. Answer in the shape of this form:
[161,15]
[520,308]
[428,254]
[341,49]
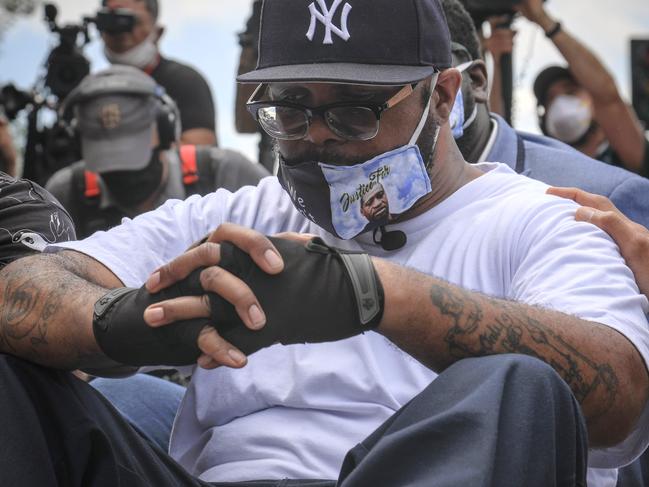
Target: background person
[581,104]
[132,158]
[139,48]
[486,136]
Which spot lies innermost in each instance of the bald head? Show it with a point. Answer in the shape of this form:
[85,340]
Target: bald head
[375,205]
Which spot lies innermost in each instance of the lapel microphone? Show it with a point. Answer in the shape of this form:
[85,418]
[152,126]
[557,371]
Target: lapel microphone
[390,241]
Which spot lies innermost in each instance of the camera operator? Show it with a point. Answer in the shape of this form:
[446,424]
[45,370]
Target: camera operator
[129,132]
[581,105]
[139,48]
[7,149]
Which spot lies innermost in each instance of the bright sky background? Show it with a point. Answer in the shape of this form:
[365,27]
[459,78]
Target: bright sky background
[203,33]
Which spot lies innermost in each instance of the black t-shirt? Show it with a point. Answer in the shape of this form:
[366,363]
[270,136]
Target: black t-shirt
[609,156]
[30,218]
[190,91]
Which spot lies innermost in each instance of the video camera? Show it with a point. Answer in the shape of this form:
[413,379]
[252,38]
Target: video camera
[66,64]
[116,21]
[51,148]
[481,10]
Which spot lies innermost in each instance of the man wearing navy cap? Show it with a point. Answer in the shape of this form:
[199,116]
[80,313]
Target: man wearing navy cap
[482,337]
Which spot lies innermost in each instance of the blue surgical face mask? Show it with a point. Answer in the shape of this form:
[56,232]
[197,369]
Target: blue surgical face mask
[457,118]
[338,198]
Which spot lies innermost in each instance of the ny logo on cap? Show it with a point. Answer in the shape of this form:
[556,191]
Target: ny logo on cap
[111,116]
[326,17]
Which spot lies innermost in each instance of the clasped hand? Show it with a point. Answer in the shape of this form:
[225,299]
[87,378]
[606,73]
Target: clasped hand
[236,293]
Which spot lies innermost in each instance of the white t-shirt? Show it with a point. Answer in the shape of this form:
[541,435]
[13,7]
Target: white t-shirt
[295,411]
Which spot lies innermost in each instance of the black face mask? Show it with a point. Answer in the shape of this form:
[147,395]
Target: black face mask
[132,188]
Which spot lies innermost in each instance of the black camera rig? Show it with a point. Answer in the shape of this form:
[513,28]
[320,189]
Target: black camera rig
[66,64]
[50,148]
[481,10]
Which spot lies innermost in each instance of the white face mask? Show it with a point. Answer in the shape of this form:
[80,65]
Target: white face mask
[568,118]
[457,120]
[140,56]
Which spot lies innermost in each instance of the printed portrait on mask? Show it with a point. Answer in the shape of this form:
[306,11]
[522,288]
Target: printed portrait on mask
[375,205]
[375,192]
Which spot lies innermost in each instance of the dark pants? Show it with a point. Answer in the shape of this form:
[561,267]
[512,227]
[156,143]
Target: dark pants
[496,421]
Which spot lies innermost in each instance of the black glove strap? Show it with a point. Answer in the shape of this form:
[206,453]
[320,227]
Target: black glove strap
[365,282]
[367,288]
[122,334]
[103,307]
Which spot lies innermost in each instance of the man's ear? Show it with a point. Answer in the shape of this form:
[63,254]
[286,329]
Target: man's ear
[479,81]
[159,33]
[448,84]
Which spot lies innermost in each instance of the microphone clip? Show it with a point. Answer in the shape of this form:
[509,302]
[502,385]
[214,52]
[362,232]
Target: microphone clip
[389,241]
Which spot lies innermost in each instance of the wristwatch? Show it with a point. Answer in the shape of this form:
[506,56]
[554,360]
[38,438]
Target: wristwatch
[554,30]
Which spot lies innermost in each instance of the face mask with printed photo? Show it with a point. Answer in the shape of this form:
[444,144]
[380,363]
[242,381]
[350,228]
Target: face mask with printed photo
[349,200]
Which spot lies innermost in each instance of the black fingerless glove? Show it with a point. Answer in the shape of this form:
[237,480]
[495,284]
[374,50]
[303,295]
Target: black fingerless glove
[323,295]
[123,335]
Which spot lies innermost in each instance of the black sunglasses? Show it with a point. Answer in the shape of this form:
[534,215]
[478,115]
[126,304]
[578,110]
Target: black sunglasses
[350,120]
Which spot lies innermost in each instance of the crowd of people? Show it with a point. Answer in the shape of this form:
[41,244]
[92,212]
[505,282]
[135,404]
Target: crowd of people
[403,289]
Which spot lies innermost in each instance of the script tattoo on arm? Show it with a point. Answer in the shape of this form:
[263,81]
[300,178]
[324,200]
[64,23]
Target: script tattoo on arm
[481,326]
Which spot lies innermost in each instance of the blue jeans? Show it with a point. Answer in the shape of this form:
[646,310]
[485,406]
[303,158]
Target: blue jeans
[149,404]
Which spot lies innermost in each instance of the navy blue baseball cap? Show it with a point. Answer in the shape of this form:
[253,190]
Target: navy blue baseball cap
[547,78]
[376,42]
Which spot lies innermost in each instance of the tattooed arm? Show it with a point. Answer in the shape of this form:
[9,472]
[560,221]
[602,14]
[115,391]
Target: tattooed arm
[46,309]
[604,370]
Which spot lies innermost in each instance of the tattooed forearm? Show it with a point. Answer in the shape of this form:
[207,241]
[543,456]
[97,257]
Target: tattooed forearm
[46,312]
[439,323]
[482,326]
